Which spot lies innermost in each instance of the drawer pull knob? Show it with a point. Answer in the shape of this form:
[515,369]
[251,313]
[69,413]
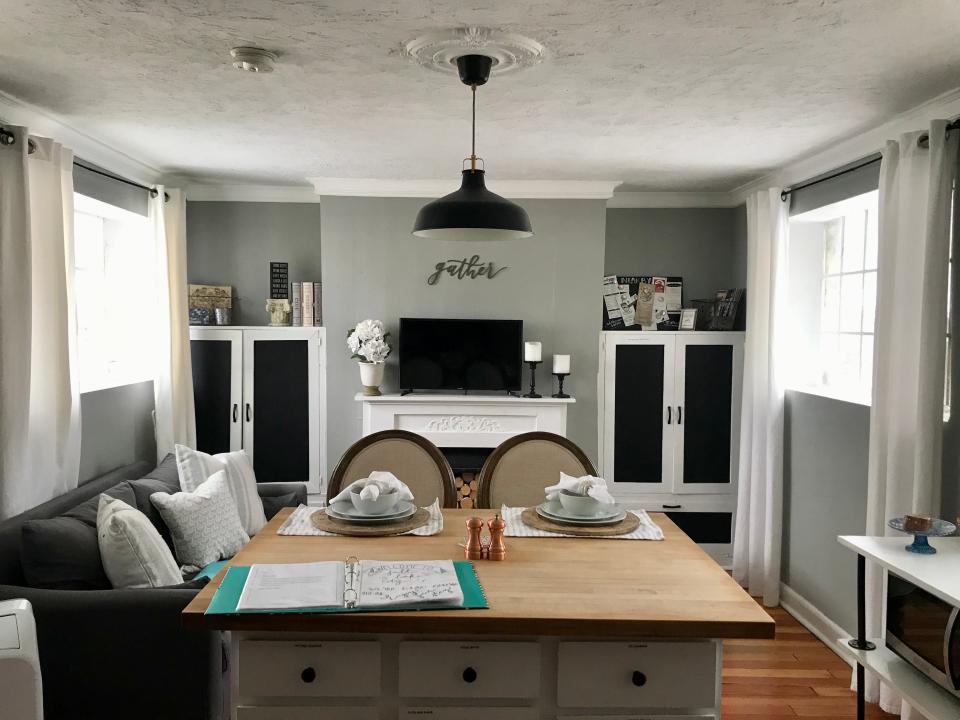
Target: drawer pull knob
[469,675]
[308,675]
[639,679]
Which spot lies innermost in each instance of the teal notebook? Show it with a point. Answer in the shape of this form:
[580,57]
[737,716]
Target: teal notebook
[227,596]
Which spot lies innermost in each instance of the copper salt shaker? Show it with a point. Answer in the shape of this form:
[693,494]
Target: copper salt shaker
[474,547]
[497,551]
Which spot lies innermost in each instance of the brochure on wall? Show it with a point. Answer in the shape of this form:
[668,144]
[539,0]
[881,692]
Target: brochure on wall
[642,302]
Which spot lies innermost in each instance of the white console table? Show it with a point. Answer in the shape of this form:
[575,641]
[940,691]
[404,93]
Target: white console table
[937,574]
[470,421]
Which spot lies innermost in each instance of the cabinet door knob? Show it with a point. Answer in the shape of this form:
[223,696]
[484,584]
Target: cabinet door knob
[671,507]
[248,412]
[469,675]
[308,675]
[669,414]
[679,414]
[235,411]
[638,678]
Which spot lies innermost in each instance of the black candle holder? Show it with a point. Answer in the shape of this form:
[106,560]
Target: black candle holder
[533,379]
[561,394]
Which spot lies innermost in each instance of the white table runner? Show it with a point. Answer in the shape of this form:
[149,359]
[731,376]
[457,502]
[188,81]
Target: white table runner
[299,523]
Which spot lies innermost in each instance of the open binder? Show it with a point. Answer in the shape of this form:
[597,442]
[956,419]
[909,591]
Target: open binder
[350,586]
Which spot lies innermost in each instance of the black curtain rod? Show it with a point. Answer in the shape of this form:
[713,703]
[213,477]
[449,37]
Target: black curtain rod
[8,138]
[922,141]
[152,190]
[785,193]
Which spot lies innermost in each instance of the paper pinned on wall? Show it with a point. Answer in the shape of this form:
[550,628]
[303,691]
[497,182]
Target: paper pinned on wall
[611,301]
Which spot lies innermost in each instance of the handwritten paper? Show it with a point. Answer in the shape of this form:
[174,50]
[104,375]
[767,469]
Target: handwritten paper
[425,583]
[295,585]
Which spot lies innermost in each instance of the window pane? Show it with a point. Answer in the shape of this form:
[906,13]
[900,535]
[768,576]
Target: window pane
[851,303]
[843,369]
[869,301]
[854,229]
[873,238]
[830,312]
[833,234]
[88,241]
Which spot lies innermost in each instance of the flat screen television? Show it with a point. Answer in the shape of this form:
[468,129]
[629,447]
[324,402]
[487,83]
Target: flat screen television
[482,355]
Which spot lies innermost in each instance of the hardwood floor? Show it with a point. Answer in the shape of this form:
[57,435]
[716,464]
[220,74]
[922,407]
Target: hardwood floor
[794,675]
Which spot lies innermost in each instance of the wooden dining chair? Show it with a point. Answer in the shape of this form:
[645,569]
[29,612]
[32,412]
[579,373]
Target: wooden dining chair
[416,461]
[517,472]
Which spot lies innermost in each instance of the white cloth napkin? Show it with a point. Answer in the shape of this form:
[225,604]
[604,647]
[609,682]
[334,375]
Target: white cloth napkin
[587,485]
[377,482]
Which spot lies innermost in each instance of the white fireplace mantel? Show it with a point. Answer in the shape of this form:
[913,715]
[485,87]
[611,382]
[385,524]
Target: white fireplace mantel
[478,421]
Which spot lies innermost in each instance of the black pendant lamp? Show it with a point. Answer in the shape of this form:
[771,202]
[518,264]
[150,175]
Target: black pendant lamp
[472,212]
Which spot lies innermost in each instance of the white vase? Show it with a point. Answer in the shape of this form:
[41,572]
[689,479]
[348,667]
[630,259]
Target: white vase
[371,376]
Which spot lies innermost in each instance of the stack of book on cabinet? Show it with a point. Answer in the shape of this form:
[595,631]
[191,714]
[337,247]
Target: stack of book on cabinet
[305,301]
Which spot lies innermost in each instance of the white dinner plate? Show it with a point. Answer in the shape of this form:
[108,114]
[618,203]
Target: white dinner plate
[348,513]
[556,514]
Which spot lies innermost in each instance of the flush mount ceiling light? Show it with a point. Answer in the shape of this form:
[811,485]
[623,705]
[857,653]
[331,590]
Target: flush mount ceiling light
[253,59]
[472,212]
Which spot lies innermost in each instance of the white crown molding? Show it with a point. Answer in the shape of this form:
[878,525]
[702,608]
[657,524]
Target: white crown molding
[200,192]
[862,144]
[84,146]
[531,189]
[653,199]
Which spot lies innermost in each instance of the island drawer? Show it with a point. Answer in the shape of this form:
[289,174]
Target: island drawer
[469,669]
[307,668]
[250,712]
[637,674]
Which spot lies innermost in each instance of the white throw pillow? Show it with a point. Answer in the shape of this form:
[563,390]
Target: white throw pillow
[204,524]
[131,550]
[194,467]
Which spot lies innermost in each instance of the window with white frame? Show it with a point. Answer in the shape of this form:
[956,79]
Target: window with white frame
[115,295]
[832,298]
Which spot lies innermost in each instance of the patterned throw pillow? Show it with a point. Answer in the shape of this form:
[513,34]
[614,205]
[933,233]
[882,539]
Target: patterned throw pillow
[204,524]
[132,551]
[195,467]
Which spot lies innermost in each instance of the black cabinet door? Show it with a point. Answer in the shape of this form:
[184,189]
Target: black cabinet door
[277,407]
[640,455]
[216,389]
[706,419]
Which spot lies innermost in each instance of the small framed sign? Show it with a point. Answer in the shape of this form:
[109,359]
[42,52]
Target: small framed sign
[688,319]
[279,281]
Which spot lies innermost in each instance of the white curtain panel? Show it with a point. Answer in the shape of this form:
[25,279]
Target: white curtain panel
[756,547]
[40,406]
[173,382]
[906,419]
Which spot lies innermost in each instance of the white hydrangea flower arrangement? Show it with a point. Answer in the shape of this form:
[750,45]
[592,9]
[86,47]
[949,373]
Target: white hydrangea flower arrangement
[368,342]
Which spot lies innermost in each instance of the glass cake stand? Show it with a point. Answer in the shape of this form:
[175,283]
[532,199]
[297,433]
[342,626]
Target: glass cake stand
[940,528]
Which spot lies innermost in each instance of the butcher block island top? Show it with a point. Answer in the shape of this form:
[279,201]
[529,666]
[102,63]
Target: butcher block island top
[570,587]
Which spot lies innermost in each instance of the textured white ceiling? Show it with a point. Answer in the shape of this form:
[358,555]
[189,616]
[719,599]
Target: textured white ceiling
[675,94]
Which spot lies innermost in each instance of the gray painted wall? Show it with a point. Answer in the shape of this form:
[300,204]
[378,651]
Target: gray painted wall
[375,268]
[706,246]
[825,495]
[233,243]
[116,428]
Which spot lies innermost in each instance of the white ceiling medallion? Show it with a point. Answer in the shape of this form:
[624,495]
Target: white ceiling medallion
[439,50]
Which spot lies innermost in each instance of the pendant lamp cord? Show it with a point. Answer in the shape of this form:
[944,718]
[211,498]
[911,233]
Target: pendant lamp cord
[473,129]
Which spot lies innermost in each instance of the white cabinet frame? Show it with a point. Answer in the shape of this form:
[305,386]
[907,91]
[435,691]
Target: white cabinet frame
[242,339]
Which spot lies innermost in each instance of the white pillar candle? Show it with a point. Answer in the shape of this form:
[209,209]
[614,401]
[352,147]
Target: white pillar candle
[561,364]
[532,352]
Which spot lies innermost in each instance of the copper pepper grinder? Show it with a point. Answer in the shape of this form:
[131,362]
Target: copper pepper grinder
[474,547]
[497,551]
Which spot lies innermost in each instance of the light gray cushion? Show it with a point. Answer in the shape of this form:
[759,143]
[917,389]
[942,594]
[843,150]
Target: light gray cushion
[195,467]
[132,551]
[204,524]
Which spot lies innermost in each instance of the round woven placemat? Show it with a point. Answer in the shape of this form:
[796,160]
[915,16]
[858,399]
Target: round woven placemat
[324,522]
[630,523]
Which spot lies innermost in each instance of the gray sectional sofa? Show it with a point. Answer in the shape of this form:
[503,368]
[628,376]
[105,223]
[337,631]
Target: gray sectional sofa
[108,653]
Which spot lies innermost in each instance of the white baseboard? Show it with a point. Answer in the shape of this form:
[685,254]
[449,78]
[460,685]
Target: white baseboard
[807,614]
